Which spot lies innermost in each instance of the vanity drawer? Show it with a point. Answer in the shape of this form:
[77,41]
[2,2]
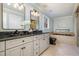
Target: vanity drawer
[16,42]
[27,39]
[2,53]
[38,37]
[36,44]
[2,46]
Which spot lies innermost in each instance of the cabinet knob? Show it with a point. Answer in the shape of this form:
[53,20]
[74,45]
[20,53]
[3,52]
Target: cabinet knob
[36,44]
[23,48]
[23,41]
[36,52]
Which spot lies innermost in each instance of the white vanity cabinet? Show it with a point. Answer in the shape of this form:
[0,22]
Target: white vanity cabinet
[2,48]
[37,45]
[27,49]
[20,47]
[42,45]
[44,42]
[46,36]
[23,50]
[17,42]
[36,52]
[26,46]
[16,51]
[2,53]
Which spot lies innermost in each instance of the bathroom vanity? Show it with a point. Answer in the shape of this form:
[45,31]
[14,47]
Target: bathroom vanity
[27,45]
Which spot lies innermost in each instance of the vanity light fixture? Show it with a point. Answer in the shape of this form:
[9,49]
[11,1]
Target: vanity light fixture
[19,6]
[32,12]
[16,5]
[35,13]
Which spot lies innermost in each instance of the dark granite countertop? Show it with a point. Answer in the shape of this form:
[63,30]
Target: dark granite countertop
[17,37]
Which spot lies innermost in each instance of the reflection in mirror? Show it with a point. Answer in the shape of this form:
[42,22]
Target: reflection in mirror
[13,16]
[34,18]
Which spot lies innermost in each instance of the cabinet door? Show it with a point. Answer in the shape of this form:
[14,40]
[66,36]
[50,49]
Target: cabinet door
[46,40]
[2,53]
[14,51]
[42,45]
[27,49]
[36,52]
[23,50]
[36,44]
[2,46]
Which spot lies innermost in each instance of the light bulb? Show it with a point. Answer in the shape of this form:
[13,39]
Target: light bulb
[8,3]
[21,7]
[16,5]
[36,14]
[32,12]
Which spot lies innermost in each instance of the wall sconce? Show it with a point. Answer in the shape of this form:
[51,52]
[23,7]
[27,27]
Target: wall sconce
[35,13]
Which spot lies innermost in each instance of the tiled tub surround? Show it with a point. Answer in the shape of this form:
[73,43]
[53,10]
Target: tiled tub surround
[25,45]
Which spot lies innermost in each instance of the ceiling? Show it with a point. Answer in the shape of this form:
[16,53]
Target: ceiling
[56,9]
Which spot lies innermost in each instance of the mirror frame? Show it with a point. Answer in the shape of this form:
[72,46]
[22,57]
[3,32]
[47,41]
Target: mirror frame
[37,18]
[12,29]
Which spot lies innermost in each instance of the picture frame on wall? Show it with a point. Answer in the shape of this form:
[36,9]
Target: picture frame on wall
[46,22]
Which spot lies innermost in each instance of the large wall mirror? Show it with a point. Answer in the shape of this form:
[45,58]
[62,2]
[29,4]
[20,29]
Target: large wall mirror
[13,16]
[34,18]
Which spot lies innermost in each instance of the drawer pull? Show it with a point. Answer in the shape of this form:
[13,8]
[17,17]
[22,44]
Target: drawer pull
[23,48]
[23,41]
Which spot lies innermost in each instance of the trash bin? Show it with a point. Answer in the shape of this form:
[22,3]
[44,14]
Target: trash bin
[52,40]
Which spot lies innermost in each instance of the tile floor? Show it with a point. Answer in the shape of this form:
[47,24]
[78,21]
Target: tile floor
[61,50]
